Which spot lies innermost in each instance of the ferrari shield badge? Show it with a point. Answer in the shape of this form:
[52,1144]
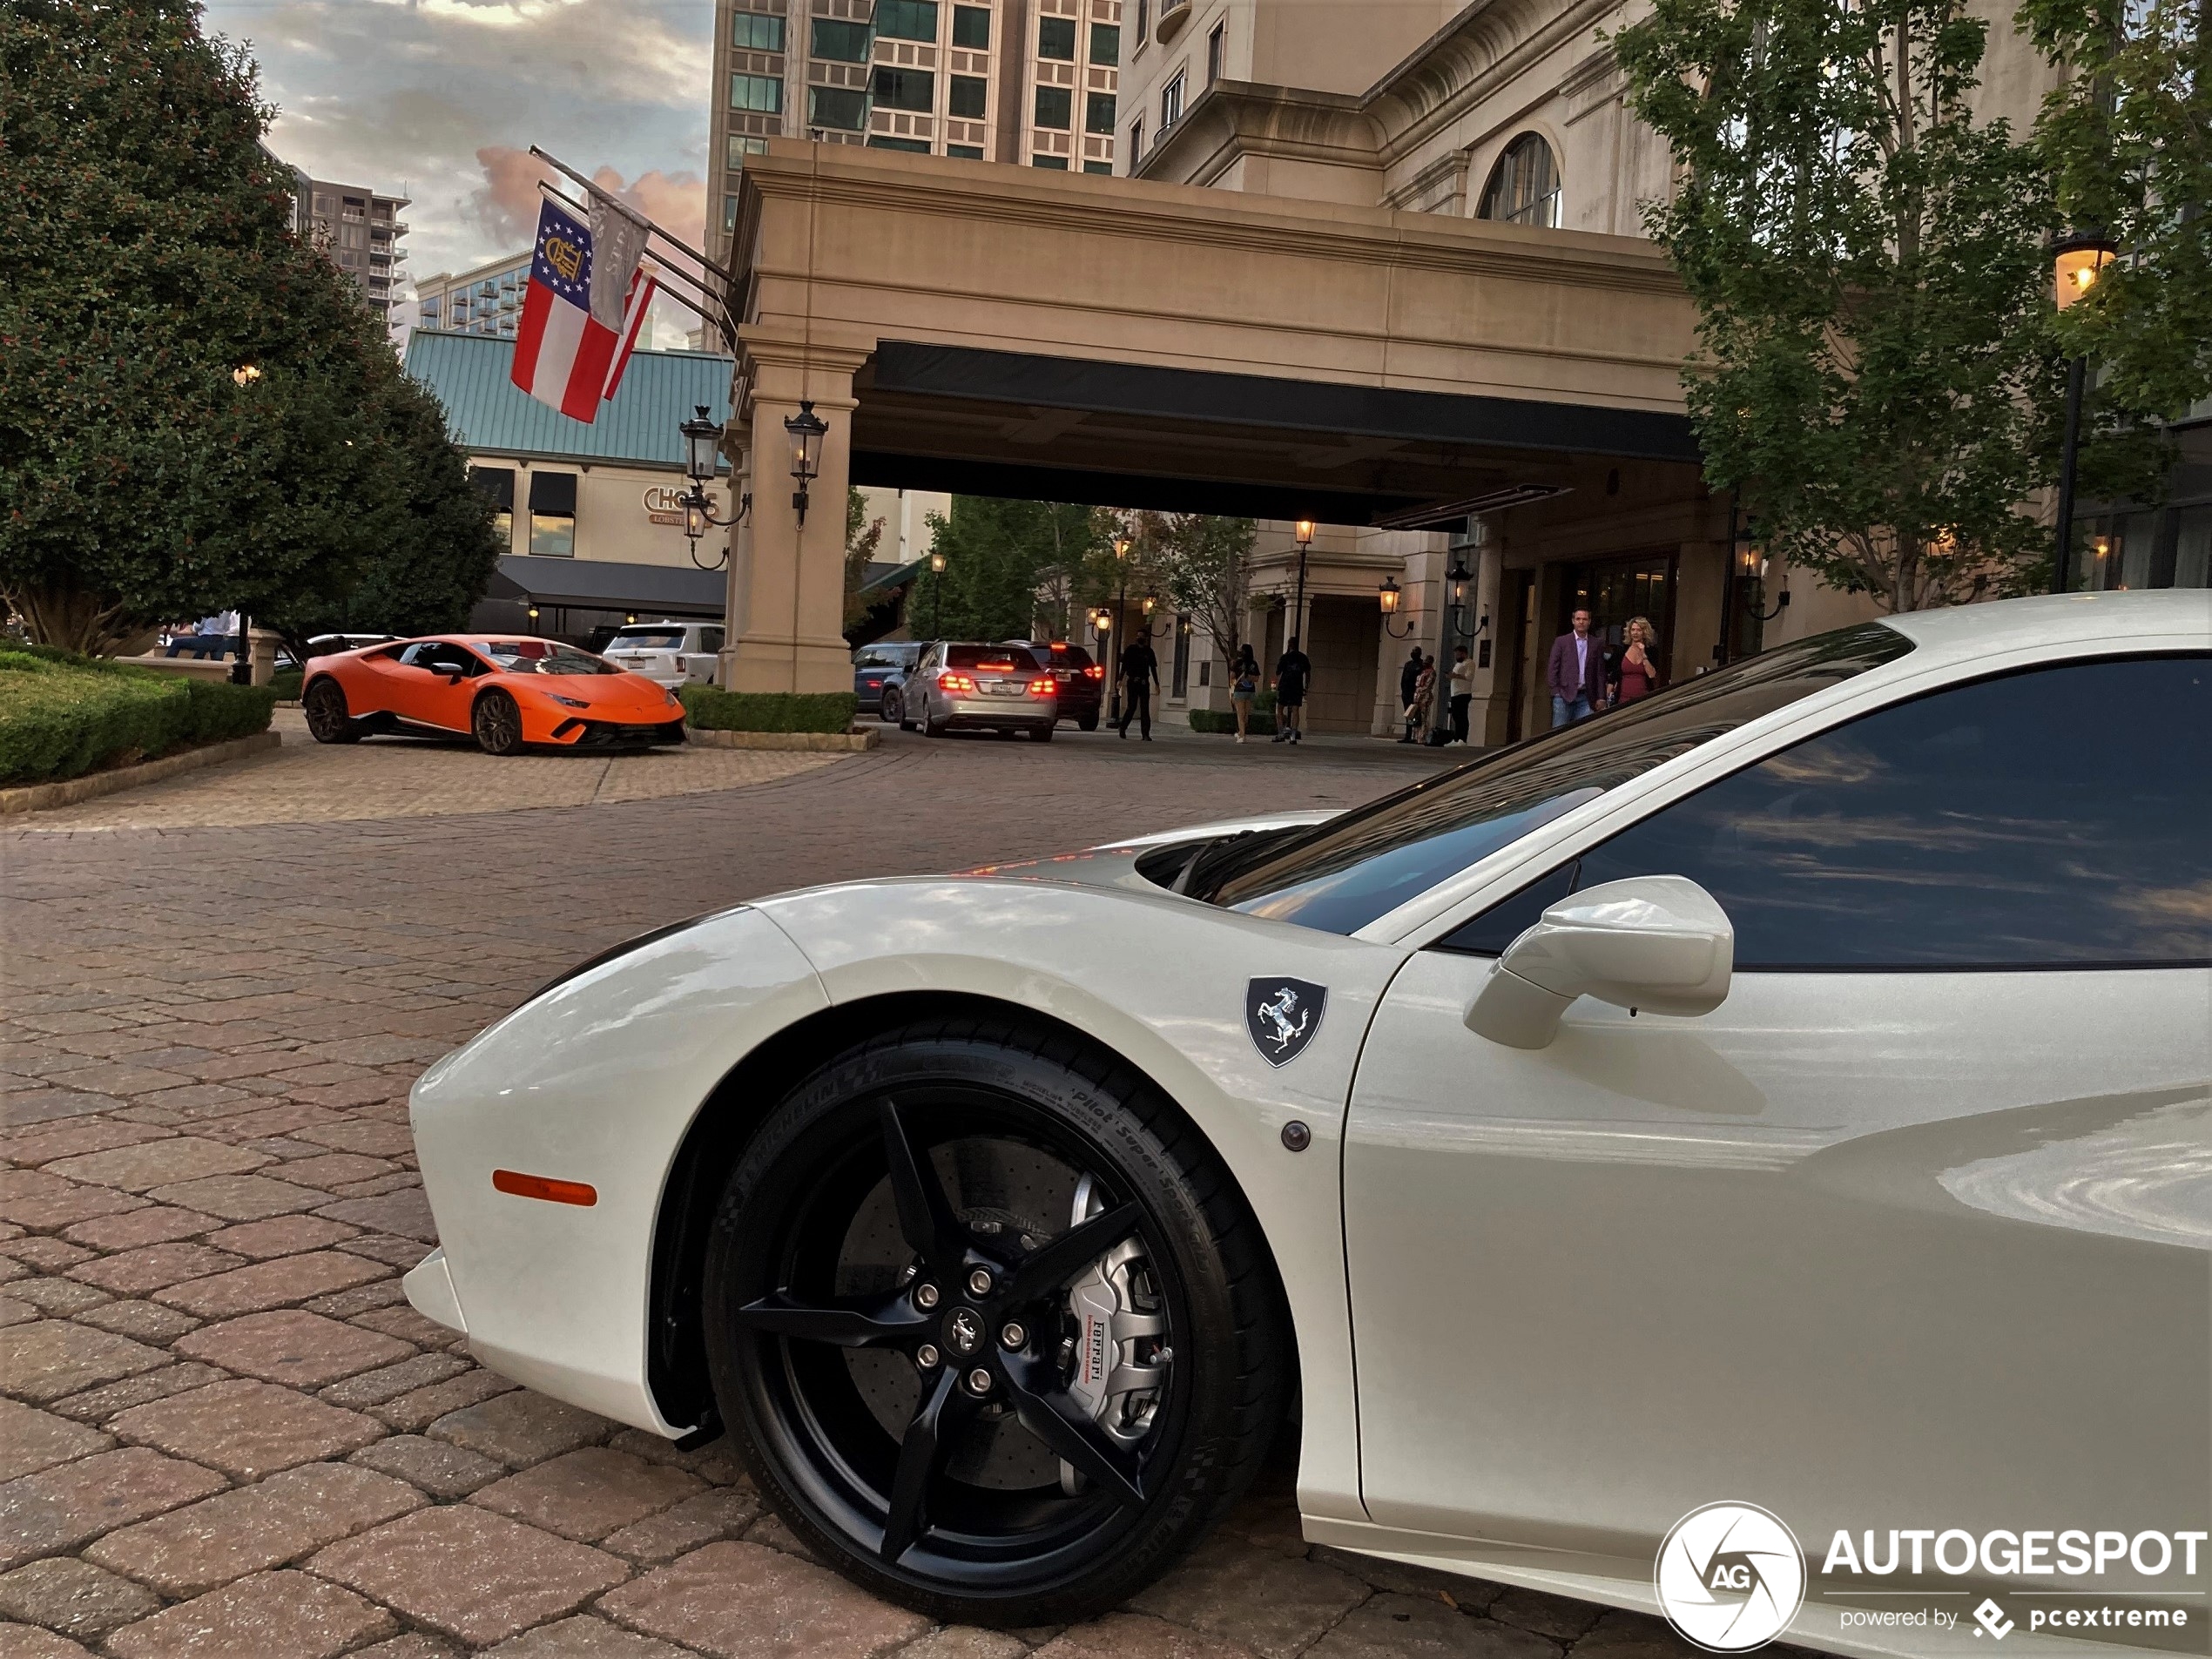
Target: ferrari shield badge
[1283,1015]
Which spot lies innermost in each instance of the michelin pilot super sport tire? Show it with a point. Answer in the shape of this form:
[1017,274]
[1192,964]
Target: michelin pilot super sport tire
[329,721]
[496,724]
[919,1415]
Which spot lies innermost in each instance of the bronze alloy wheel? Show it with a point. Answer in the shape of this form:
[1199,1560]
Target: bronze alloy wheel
[497,723]
[329,719]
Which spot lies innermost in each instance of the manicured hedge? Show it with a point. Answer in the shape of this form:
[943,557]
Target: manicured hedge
[62,715]
[285,684]
[1224,720]
[711,709]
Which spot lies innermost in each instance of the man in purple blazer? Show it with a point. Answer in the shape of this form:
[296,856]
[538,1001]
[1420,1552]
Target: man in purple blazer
[1577,673]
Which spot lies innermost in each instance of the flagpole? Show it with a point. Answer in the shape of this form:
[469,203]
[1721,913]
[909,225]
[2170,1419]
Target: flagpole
[677,243]
[663,268]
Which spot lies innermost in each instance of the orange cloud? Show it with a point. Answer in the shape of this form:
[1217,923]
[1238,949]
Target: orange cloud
[506,203]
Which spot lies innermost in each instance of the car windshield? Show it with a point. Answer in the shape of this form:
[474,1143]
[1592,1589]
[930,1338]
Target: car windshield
[1006,659]
[1341,875]
[647,639]
[543,657]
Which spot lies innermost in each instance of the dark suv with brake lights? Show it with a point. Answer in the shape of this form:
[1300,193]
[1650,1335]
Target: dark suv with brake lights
[1081,682]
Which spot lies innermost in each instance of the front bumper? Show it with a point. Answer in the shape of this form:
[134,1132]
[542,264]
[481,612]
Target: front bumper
[579,733]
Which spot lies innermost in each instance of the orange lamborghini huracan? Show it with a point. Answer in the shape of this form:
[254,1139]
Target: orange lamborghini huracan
[506,693]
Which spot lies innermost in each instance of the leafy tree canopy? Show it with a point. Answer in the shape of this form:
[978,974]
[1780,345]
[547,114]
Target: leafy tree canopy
[1010,567]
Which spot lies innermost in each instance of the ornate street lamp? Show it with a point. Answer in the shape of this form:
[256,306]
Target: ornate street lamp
[1121,608]
[1303,532]
[936,591]
[806,429]
[1387,596]
[2077,262]
[702,436]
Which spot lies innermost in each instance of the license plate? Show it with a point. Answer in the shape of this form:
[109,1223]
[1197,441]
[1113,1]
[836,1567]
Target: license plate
[1001,688]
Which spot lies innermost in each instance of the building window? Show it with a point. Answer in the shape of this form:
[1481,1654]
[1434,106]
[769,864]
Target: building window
[965,151]
[729,213]
[1098,112]
[1051,164]
[1216,45]
[496,485]
[972,28]
[1180,680]
[1057,39]
[1144,17]
[842,43]
[836,106]
[553,515]
[1136,143]
[1524,186]
[1055,107]
[1106,44]
[905,89]
[1171,101]
[967,97]
[1106,167]
[915,146]
[756,32]
[741,147]
[906,19]
[762,93]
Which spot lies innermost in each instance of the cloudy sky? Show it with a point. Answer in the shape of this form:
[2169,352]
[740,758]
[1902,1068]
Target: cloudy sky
[441,99]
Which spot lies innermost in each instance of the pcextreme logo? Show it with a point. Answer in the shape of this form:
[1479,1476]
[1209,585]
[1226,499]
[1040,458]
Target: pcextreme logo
[1730,1577]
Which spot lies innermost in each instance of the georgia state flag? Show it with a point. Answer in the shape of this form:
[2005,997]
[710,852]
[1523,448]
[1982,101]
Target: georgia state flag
[582,310]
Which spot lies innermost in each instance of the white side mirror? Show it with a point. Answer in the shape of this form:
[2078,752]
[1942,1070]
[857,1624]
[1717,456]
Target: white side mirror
[1656,942]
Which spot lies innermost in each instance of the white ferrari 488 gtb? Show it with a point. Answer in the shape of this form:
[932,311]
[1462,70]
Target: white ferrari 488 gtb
[1789,1088]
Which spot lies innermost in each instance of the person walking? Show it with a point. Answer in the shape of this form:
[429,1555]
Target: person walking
[1637,676]
[1462,691]
[1244,685]
[1576,674]
[1140,673]
[1292,673]
[1409,676]
[1424,695]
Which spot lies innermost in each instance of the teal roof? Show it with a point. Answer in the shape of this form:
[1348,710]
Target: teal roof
[489,415]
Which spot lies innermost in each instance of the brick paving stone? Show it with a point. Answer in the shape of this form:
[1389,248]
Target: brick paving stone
[336,1170]
[147,1322]
[58,1297]
[266,1285]
[1129,1635]
[280,1236]
[68,1506]
[1475,1594]
[240,1197]
[15,1312]
[403,1253]
[719,1513]
[588,1494]
[375,1139]
[772,1532]
[52,1359]
[1270,1604]
[521,1428]
[133,1273]
[469,1574]
[389,1382]
[273,1615]
[247,1429]
[585,1637]
[32,1439]
[73,1598]
[408,1326]
[739,1600]
[192,1550]
[1419,1627]
[45,1105]
[965,1641]
[57,1206]
[29,1642]
[445,1472]
[414,1645]
[345,1304]
[47,1255]
[406,1212]
[292,1346]
[1548,1615]
[40,1146]
[1622,1634]
[197,1102]
[416,1410]
[157,1163]
[101,1404]
[154,1224]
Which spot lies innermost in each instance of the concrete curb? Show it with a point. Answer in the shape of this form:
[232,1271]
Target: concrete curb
[807,742]
[38,798]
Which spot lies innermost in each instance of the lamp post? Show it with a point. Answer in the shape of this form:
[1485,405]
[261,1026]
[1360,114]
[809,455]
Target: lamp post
[2076,263]
[807,430]
[1304,531]
[1388,596]
[702,455]
[1121,611]
[936,591]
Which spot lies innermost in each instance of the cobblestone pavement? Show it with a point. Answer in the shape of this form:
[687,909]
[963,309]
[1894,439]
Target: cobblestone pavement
[222,1429]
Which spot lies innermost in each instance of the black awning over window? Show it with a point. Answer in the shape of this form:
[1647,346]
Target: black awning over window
[553,492]
[497,484]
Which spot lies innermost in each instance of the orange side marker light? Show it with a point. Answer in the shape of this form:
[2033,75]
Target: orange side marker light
[545,1187]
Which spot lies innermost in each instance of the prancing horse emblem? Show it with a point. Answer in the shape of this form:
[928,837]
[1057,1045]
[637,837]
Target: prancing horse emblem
[1282,1015]
[965,1330]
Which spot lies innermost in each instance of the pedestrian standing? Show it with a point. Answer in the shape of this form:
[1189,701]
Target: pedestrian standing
[1409,676]
[1244,685]
[1638,674]
[1576,674]
[1140,673]
[1462,691]
[1292,673]
[1424,695]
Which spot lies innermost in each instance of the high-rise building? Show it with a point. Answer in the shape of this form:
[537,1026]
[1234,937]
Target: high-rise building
[1032,82]
[360,230]
[484,299]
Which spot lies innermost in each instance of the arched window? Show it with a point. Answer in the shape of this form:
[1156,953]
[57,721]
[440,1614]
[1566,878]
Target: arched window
[1524,186]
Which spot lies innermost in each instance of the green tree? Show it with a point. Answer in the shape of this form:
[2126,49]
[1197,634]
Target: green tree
[1200,561]
[861,540]
[188,394]
[998,555]
[2127,138]
[1881,375]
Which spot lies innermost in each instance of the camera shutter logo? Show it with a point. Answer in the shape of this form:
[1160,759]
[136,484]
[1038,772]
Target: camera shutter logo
[1731,1577]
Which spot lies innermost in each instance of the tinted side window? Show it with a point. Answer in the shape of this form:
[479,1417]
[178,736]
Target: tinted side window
[2055,818]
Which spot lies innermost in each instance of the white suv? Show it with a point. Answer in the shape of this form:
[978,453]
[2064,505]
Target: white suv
[668,653]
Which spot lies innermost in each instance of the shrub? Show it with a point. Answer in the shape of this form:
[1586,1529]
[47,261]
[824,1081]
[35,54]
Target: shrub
[1223,720]
[62,715]
[711,709]
[285,684]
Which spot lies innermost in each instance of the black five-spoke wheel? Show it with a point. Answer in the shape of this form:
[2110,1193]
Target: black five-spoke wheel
[994,1337]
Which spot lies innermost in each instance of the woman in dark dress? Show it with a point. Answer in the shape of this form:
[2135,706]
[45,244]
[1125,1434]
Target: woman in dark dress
[1638,674]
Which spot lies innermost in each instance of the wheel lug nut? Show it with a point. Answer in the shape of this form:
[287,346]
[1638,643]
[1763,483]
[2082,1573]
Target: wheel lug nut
[926,1355]
[1013,1337]
[979,1381]
[979,1281]
[925,1296]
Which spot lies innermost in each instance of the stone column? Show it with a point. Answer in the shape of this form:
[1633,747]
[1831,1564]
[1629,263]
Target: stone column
[261,654]
[787,578]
